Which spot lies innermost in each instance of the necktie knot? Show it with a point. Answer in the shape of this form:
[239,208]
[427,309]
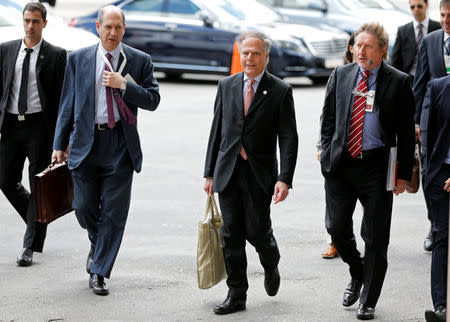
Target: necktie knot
[420,26]
[109,56]
[447,46]
[250,83]
[366,74]
[29,50]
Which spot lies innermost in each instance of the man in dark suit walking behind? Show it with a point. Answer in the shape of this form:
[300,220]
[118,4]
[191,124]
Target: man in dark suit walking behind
[438,188]
[409,37]
[103,87]
[368,108]
[433,61]
[31,77]
[252,110]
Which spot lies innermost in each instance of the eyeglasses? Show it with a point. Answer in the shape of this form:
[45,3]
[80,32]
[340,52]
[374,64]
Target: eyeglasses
[419,6]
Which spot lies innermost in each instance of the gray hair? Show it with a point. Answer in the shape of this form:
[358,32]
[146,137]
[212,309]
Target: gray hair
[378,31]
[101,13]
[255,34]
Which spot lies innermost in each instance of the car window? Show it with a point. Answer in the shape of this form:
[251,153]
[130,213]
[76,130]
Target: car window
[247,10]
[182,9]
[155,6]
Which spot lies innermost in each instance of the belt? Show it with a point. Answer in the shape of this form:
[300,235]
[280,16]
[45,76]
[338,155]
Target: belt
[369,154]
[104,126]
[26,117]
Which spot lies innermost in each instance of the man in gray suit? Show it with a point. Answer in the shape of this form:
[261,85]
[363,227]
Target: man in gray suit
[433,62]
[368,109]
[253,110]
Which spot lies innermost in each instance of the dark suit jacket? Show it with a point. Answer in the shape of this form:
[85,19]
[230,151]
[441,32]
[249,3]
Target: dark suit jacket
[430,65]
[77,109]
[271,115]
[405,45]
[50,67]
[438,139]
[395,103]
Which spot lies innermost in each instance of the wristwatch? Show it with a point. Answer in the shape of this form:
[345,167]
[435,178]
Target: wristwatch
[123,86]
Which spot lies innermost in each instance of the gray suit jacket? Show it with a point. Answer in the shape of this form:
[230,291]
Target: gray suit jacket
[395,103]
[271,116]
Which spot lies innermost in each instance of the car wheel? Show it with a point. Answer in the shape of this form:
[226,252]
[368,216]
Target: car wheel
[319,80]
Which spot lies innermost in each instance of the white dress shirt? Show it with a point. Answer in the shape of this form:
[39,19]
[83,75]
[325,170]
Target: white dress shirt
[33,100]
[101,112]
[425,24]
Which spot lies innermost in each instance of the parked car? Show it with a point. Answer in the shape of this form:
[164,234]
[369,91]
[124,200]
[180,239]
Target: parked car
[197,36]
[346,15]
[56,32]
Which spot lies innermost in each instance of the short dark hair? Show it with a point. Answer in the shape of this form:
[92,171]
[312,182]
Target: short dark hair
[36,6]
[348,52]
[101,13]
[444,3]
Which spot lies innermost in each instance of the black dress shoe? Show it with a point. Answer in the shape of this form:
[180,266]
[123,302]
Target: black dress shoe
[272,281]
[351,293]
[97,283]
[90,259]
[365,313]
[428,242]
[25,258]
[230,305]
[434,316]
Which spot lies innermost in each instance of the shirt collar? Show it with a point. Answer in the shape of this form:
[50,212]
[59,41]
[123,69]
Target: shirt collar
[424,23]
[446,35]
[115,53]
[257,78]
[373,72]
[36,48]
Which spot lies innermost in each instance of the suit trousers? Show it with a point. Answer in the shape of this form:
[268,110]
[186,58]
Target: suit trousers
[363,179]
[20,140]
[246,216]
[439,200]
[102,193]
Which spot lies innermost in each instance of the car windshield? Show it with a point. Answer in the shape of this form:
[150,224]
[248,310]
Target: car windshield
[374,4]
[247,10]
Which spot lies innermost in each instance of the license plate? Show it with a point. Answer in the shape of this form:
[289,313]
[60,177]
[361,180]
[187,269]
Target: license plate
[332,63]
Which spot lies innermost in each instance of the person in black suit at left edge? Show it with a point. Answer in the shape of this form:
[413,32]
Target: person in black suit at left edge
[31,77]
[253,110]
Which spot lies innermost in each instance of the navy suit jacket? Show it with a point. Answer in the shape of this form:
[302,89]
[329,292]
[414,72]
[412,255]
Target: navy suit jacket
[76,116]
[271,116]
[393,99]
[438,139]
[430,65]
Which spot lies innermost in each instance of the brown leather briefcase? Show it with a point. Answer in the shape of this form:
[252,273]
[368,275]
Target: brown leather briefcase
[53,192]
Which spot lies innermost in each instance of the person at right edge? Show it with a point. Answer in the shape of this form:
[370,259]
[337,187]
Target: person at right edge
[368,109]
[433,61]
[437,186]
[253,109]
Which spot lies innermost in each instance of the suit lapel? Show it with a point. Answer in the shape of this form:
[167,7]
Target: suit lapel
[439,48]
[14,52]
[348,83]
[236,90]
[41,57]
[411,34]
[88,69]
[264,90]
[128,55]
[383,84]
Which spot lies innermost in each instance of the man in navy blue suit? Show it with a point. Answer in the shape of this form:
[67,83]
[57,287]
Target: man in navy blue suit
[433,61]
[437,186]
[103,87]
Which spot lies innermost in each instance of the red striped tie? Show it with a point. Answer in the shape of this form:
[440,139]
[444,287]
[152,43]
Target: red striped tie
[354,145]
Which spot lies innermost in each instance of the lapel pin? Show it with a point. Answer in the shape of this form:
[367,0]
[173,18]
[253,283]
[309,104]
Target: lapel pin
[41,57]
[264,92]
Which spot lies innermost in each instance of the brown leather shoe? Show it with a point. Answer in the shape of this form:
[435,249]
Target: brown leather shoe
[330,252]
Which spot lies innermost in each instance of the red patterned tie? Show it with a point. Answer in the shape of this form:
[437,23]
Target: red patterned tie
[109,99]
[248,97]
[354,145]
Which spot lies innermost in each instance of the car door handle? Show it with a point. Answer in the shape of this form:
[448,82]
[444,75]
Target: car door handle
[171,26]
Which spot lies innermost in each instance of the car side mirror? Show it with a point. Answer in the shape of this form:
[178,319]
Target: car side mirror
[207,20]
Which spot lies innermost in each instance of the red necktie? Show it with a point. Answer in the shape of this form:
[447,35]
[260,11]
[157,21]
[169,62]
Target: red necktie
[109,101]
[354,145]
[248,97]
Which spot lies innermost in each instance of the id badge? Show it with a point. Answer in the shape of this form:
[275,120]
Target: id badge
[447,63]
[370,98]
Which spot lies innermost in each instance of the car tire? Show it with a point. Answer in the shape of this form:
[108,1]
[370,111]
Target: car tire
[319,80]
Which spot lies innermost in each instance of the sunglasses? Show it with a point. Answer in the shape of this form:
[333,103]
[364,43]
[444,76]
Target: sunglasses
[419,6]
